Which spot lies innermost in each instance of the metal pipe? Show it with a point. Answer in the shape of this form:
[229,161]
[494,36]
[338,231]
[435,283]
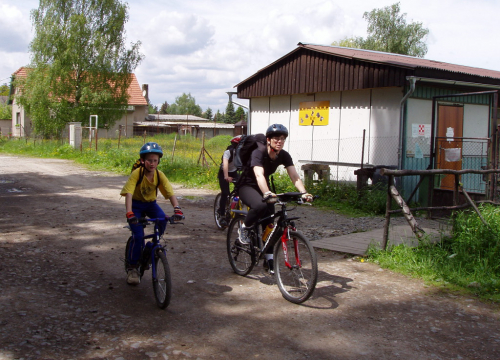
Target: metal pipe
[412,80]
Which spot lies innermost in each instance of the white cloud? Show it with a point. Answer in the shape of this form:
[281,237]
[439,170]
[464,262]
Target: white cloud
[206,47]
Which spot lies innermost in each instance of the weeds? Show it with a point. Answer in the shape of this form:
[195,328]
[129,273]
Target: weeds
[469,259]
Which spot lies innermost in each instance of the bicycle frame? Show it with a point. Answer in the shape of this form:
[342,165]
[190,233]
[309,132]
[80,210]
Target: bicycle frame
[156,244]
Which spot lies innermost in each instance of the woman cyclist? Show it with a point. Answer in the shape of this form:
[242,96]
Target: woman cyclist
[227,173]
[253,186]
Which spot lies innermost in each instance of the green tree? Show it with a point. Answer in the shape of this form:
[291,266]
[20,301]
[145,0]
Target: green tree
[5,111]
[185,105]
[4,90]
[388,31]
[240,114]
[152,109]
[79,66]
[208,114]
[164,108]
[229,116]
[218,117]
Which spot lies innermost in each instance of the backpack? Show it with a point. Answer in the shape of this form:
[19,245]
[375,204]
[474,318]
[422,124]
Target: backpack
[138,164]
[247,144]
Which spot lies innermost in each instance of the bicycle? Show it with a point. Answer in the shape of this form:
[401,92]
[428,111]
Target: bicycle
[228,214]
[154,256]
[295,263]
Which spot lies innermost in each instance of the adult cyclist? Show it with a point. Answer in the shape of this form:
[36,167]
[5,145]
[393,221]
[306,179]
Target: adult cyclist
[253,186]
[227,173]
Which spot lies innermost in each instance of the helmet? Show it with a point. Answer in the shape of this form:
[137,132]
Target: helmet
[236,139]
[276,130]
[151,148]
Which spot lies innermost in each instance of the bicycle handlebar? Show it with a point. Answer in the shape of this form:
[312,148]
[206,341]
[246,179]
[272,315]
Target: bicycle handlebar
[293,196]
[170,219]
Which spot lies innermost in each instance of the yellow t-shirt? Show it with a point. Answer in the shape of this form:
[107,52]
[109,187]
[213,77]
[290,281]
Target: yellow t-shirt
[146,191]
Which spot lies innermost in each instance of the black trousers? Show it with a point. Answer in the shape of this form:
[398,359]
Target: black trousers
[251,196]
[224,188]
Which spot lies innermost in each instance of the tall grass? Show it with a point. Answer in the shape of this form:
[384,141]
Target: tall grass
[183,166]
[468,260]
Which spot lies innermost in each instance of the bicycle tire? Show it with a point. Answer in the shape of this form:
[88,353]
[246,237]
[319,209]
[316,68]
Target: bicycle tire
[162,284]
[298,283]
[127,248]
[241,257]
[217,216]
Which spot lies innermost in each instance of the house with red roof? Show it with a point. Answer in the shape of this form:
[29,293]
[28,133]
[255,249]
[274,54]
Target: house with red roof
[351,108]
[137,111]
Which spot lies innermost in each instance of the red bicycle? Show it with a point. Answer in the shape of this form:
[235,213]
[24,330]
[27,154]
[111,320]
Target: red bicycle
[295,263]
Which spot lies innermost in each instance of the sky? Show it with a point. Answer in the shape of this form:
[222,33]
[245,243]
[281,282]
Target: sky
[206,47]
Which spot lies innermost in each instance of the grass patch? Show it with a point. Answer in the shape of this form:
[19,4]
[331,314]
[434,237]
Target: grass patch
[468,261]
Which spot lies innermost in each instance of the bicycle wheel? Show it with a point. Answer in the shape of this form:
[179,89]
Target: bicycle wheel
[218,216]
[241,257]
[298,282]
[127,249]
[162,284]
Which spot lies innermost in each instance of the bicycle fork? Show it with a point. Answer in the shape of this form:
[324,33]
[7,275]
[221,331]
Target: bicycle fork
[284,240]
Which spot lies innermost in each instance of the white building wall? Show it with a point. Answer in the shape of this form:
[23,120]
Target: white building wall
[340,141]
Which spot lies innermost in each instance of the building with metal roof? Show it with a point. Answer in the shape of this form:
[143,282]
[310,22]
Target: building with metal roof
[347,107]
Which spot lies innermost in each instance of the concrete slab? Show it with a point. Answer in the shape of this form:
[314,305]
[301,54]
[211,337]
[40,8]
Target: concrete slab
[358,243]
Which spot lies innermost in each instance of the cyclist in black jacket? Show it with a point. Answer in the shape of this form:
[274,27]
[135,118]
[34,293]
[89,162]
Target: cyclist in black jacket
[253,187]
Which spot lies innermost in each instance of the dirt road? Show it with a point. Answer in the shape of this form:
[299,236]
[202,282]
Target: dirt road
[63,293]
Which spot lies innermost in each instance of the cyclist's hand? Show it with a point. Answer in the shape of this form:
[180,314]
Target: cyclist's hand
[131,218]
[178,214]
[270,197]
[307,197]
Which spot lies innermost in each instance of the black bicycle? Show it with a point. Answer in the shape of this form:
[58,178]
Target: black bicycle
[295,263]
[154,256]
[233,202]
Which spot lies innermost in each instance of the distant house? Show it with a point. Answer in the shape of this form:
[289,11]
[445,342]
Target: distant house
[182,124]
[407,108]
[136,111]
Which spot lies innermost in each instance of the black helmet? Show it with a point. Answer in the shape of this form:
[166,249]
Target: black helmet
[276,130]
[151,148]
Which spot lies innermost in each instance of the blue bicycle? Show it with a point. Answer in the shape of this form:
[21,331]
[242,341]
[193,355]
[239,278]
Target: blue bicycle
[154,256]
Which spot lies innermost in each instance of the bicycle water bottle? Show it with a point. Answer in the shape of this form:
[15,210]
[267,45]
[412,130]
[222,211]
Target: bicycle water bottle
[234,203]
[267,232]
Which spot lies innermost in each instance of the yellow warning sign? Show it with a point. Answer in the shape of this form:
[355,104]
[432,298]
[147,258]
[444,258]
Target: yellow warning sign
[314,113]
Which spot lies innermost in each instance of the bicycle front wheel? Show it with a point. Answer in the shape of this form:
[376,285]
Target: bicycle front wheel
[162,283]
[298,280]
[241,256]
[218,216]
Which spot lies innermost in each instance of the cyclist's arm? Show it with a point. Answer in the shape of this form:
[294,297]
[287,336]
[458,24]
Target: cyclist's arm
[294,176]
[225,169]
[128,202]
[173,201]
[261,179]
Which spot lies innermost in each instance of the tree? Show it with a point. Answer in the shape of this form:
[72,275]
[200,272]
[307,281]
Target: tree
[185,105]
[208,114]
[229,117]
[152,109]
[164,108]
[79,64]
[218,117]
[5,111]
[4,90]
[388,31]
[240,114]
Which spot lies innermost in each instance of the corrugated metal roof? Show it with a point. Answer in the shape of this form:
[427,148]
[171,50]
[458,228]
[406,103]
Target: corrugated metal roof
[209,125]
[400,60]
[174,117]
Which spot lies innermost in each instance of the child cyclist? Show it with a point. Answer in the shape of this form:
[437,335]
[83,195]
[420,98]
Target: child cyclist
[140,193]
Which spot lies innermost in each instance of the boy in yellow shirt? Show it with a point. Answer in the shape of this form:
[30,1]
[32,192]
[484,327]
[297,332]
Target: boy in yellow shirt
[140,193]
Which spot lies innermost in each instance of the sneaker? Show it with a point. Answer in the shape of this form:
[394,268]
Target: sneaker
[133,277]
[269,266]
[244,235]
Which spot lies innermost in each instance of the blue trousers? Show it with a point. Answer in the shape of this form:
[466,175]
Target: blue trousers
[142,209]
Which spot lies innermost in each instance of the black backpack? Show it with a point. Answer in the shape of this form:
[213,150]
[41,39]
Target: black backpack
[138,164]
[247,144]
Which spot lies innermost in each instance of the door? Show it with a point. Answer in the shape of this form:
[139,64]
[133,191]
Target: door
[449,143]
